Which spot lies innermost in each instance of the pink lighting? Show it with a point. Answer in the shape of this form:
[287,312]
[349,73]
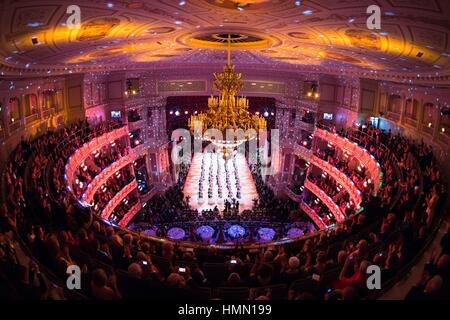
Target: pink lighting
[191,187]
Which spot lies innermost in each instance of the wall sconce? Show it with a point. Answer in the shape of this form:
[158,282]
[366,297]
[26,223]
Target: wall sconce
[130,91]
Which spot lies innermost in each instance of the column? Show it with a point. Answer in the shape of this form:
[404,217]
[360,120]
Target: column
[402,109]
[437,127]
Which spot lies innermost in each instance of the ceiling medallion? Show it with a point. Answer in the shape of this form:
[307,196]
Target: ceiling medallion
[239,40]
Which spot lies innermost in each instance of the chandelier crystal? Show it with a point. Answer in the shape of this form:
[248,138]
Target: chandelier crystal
[228,111]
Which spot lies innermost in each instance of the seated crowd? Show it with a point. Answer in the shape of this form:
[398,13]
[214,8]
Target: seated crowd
[94,164]
[118,264]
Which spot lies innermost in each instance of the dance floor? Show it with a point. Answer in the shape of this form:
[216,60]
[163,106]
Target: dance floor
[191,186]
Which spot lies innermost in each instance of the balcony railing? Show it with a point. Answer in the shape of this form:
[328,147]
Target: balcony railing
[341,178]
[299,150]
[130,214]
[32,118]
[313,215]
[292,195]
[117,199]
[88,148]
[363,156]
[329,203]
[103,176]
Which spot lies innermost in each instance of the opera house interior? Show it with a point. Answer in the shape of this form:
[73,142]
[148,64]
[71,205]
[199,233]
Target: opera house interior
[224,150]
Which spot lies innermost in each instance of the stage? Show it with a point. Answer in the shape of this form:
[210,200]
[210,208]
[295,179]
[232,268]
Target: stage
[215,189]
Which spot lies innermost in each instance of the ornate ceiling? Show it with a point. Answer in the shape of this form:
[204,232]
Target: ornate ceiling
[317,35]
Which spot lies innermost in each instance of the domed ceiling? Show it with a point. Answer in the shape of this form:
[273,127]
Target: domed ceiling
[319,35]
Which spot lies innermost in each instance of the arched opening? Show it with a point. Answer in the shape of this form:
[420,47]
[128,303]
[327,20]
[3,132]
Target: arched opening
[411,108]
[49,99]
[429,117]
[30,105]
[14,110]
[394,103]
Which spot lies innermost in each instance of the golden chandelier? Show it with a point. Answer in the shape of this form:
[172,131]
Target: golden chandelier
[227,111]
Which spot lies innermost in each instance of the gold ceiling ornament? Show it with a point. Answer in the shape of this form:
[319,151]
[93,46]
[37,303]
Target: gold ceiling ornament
[228,111]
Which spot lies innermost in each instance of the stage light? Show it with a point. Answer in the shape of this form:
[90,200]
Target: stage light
[177,113]
[443,130]
[266,114]
[309,94]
